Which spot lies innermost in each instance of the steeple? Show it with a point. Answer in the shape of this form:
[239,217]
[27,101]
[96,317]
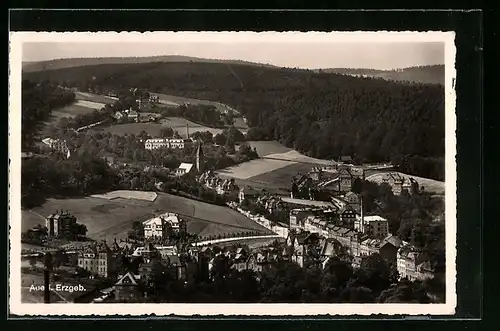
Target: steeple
[199,157]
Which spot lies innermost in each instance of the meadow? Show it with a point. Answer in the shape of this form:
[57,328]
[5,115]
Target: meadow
[253,168]
[109,219]
[275,168]
[177,100]
[153,129]
[268,147]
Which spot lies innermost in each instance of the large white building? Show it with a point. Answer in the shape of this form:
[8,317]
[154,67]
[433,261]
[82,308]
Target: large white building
[156,143]
[57,144]
[159,226]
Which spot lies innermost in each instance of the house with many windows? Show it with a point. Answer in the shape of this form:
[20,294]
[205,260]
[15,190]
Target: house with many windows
[162,226]
[99,259]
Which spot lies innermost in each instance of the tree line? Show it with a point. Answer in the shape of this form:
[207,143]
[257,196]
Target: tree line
[37,102]
[324,115]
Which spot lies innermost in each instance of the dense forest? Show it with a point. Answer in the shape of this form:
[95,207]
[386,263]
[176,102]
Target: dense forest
[324,115]
[432,74]
[38,101]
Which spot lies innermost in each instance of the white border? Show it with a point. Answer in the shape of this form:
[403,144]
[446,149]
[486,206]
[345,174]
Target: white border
[15,62]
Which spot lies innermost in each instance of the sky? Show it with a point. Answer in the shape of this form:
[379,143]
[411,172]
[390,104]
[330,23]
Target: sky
[375,55]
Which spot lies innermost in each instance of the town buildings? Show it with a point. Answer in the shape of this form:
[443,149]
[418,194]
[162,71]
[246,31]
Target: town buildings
[162,226]
[128,288]
[374,226]
[60,224]
[400,184]
[412,264]
[221,185]
[99,259]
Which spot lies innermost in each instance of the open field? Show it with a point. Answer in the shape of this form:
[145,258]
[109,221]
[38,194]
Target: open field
[253,168]
[298,157]
[277,151]
[282,177]
[107,219]
[94,98]
[429,185]
[268,147]
[124,194]
[179,124]
[90,104]
[173,100]
[153,129]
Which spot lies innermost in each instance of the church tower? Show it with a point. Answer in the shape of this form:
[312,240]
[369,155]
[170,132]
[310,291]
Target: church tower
[199,157]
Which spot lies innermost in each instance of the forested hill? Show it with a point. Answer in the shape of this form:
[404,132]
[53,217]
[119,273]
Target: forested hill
[80,62]
[321,114]
[433,74]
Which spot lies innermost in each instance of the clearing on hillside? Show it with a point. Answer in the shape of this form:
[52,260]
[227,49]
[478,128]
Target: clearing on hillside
[268,147]
[153,129]
[282,177]
[109,219]
[94,97]
[298,157]
[253,168]
[177,100]
[277,151]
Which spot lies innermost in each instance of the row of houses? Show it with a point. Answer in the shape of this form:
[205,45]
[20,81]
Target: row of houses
[220,185]
[134,116]
[400,184]
[193,266]
[369,235]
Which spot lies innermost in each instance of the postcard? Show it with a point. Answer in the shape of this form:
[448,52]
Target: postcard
[232,173]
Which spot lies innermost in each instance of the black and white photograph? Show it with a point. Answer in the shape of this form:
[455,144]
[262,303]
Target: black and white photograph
[263,173]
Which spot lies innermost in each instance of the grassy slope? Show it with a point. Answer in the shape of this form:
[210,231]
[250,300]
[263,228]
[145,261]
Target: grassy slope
[176,123]
[108,219]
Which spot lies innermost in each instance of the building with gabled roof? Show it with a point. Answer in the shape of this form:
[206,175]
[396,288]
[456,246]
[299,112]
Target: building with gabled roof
[128,288]
[410,263]
[99,259]
[183,169]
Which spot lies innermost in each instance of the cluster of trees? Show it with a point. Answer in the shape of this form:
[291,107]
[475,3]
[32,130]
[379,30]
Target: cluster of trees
[57,176]
[322,114]
[38,100]
[35,236]
[416,218]
[204,114]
